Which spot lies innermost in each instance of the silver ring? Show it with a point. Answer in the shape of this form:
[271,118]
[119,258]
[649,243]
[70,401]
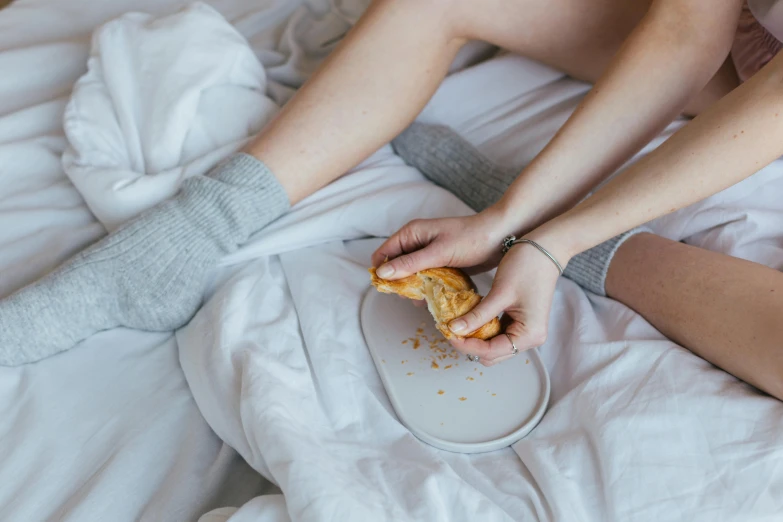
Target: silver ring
[473,358]
[514,349]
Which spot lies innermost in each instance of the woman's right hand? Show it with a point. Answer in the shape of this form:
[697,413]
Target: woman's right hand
[472,243]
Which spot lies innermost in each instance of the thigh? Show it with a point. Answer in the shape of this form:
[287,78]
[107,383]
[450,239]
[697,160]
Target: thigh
[578,37]
[724,309]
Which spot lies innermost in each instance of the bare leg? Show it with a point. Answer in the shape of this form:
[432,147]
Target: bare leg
[371,87]
[383,73]
[726,310]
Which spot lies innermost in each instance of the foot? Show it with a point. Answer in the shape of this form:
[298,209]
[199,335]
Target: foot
[149,274]
[450,161]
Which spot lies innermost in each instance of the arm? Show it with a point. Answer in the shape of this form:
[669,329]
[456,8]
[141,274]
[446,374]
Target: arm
[669,57]
[726,144]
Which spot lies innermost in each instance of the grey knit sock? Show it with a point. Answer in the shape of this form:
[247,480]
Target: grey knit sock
[589,268]
[451,162]
[150,273]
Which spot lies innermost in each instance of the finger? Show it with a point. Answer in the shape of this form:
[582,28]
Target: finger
[527,336]
[409,264]
[499,360]
[500,347]
[489,308]
[486,351]
[504,345]
[472,348]
[412,236]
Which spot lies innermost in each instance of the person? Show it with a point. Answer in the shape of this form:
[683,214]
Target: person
[650,60]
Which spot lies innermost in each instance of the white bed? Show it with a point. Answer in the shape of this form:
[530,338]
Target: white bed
[638,428]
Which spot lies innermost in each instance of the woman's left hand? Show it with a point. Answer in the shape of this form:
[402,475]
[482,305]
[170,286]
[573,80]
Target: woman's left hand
[523,289]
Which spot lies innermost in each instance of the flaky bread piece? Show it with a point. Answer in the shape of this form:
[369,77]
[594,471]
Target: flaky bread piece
[449,293]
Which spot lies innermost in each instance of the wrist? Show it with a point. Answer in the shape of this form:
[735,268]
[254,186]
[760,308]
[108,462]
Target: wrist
[561,240]
[511,217]
[530,201]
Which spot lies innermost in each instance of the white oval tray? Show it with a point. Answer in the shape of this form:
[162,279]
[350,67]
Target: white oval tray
[444,399]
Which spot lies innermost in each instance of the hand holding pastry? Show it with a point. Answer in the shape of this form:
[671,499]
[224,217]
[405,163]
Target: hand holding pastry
[448,292]
[466,242]
[523,288]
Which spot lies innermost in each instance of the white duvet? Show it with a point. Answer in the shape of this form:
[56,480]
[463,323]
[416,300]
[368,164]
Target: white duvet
[638,428]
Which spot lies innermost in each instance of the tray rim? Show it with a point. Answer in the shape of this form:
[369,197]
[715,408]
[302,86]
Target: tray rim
[462,447]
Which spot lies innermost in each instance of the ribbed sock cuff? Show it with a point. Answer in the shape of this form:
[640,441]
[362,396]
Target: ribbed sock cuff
[234,200]
[589,268]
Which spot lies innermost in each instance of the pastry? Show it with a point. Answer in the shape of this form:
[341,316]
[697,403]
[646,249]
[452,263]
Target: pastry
[449,293]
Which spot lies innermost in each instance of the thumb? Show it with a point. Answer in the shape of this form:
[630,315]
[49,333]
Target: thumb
[489,308]
[409,264]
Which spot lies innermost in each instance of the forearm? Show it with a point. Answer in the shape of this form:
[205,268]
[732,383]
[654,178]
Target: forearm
[727,143]
[669,57]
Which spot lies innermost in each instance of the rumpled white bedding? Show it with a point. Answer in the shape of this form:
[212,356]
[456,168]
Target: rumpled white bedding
[108,431]
[192,66]
[638,428]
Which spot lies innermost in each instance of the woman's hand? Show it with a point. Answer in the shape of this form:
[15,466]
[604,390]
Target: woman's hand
[523,287]
[472,242]
[523,290]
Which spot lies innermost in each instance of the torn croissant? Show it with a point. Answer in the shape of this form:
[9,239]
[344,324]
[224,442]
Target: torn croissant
[449,293]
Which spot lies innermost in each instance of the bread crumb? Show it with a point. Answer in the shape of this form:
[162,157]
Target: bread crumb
[409,373]
[434,365]
[463,398]
[481,373]
[441,392]
[470,379]
[416,344]
[447,367]
[403,362]
[405,341]
[527,361]
[494,394]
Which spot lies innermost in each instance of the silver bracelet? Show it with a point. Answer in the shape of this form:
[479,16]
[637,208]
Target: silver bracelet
[512,240]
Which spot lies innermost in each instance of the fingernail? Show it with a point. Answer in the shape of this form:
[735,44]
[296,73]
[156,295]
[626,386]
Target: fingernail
[385,271]
[457,326]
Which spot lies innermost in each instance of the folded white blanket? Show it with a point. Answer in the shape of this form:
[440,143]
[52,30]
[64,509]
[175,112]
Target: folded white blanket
[166,98]
[192,66]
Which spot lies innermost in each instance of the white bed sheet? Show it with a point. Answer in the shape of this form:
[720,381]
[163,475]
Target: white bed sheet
[638,428]
[109,431]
